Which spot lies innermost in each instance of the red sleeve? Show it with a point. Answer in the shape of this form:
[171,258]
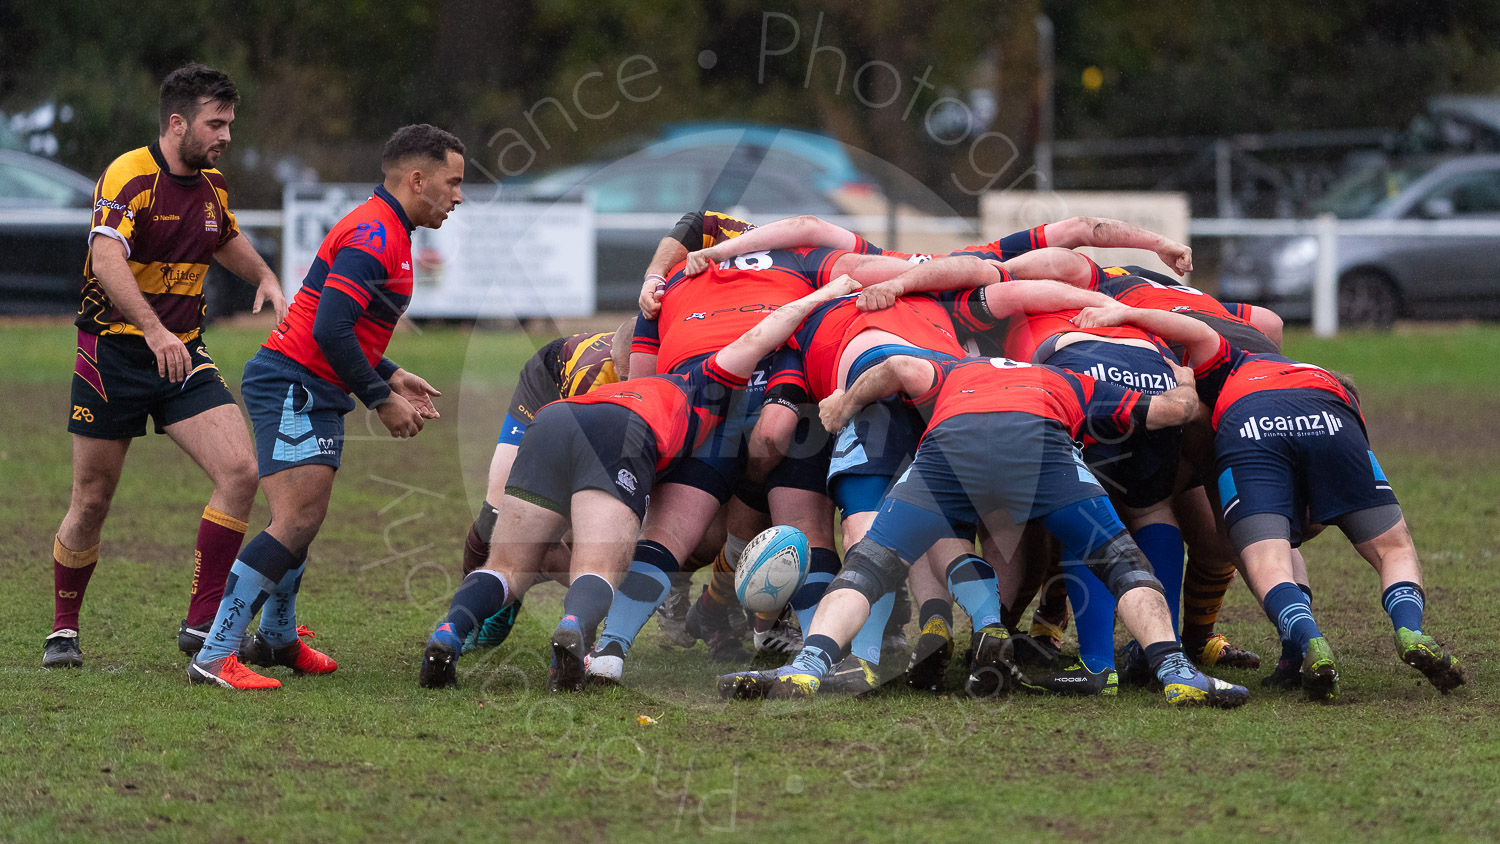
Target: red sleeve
[1212,374]
[723,376]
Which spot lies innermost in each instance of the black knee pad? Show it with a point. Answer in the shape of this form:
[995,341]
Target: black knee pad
[871,569]
[1122,567]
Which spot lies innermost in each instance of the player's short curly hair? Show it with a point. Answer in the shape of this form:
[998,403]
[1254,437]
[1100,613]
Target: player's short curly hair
[419,139]
[184,89]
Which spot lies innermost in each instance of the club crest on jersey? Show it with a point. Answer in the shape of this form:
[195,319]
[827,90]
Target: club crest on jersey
[626,481]
[369,236]
[210,221]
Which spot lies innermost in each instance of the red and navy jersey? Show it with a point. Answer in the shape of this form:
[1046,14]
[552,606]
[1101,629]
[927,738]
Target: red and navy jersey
[681,408]
[807,368]
[366,257]
[1017,243]
[1029,331]
[1134,287]
[1233,374]
[702,314]
[1093,409]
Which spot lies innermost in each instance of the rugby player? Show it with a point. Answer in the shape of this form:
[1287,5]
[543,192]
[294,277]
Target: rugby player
[1142,471]
[999,448]
[700,315]
[161,213]
[591,461]
[297,389]
[1293,454]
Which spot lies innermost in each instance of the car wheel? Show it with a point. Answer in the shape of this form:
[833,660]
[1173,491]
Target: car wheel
[1367,298]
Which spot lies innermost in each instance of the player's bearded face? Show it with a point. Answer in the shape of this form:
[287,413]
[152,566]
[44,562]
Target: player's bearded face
[207,136]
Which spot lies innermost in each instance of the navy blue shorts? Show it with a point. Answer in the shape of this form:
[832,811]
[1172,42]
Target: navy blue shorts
[805,465]
[298,417]
[879,440]
[977,463]
[1141,469]
[1296,453]
[115,387]
[570,447]
[715,465]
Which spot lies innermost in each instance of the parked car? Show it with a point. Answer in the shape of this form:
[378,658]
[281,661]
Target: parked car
[1382,278]
[44,225]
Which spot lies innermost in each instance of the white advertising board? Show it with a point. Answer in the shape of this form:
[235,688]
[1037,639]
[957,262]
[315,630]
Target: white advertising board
[1009,211]
[492,257]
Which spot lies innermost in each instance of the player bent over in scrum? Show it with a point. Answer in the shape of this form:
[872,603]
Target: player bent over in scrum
[1290,444]
[999,447]
[597,455]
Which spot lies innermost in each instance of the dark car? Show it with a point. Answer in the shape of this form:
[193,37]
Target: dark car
[1384,277]
[44,223]
[638,198]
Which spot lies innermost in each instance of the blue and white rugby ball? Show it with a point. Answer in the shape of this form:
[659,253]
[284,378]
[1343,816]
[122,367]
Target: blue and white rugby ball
[772,567]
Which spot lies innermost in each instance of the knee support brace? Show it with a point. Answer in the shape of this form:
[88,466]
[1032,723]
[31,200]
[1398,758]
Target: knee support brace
[871,569]
[1122,567]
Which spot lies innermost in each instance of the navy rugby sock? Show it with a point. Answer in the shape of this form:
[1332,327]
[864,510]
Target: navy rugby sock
[587,601]
[1404,603]
[1291,612]
[481,594]
[644,588]
[820,572]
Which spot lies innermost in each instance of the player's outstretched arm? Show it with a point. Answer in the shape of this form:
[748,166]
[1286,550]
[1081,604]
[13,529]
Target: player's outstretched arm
[806,230]
[896,374]
[1106,233]
[953,273]
[240,258]
[1200,341]
[1038,297]
[739,358]
[1053,263]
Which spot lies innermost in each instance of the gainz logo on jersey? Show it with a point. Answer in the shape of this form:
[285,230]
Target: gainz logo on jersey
[1308,425]
[1158,382]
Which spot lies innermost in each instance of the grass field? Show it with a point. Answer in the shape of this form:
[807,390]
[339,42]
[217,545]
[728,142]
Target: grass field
[125,749]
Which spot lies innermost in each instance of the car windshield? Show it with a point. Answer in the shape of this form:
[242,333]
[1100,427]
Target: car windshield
[1365,194]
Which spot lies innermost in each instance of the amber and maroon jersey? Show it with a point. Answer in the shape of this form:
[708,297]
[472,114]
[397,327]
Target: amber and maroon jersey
[990,385]
[366,257]
[702,314]
[806,369]
[170,226]
[1233,373]
[681,408]
[582,362]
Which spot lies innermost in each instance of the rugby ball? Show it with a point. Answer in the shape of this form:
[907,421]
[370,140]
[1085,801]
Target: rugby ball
[772,567]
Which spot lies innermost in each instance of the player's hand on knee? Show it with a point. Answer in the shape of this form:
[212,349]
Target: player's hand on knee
[399,417]
[172,358]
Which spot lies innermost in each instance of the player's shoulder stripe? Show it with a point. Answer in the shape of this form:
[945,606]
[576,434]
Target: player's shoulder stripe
[131,173]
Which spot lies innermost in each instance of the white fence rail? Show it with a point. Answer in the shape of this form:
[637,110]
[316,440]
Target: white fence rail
[1327,229]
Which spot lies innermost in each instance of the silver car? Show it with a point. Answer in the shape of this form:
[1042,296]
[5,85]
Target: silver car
[1382,278]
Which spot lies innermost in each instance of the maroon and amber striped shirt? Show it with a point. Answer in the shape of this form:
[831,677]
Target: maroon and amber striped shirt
[170,227]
